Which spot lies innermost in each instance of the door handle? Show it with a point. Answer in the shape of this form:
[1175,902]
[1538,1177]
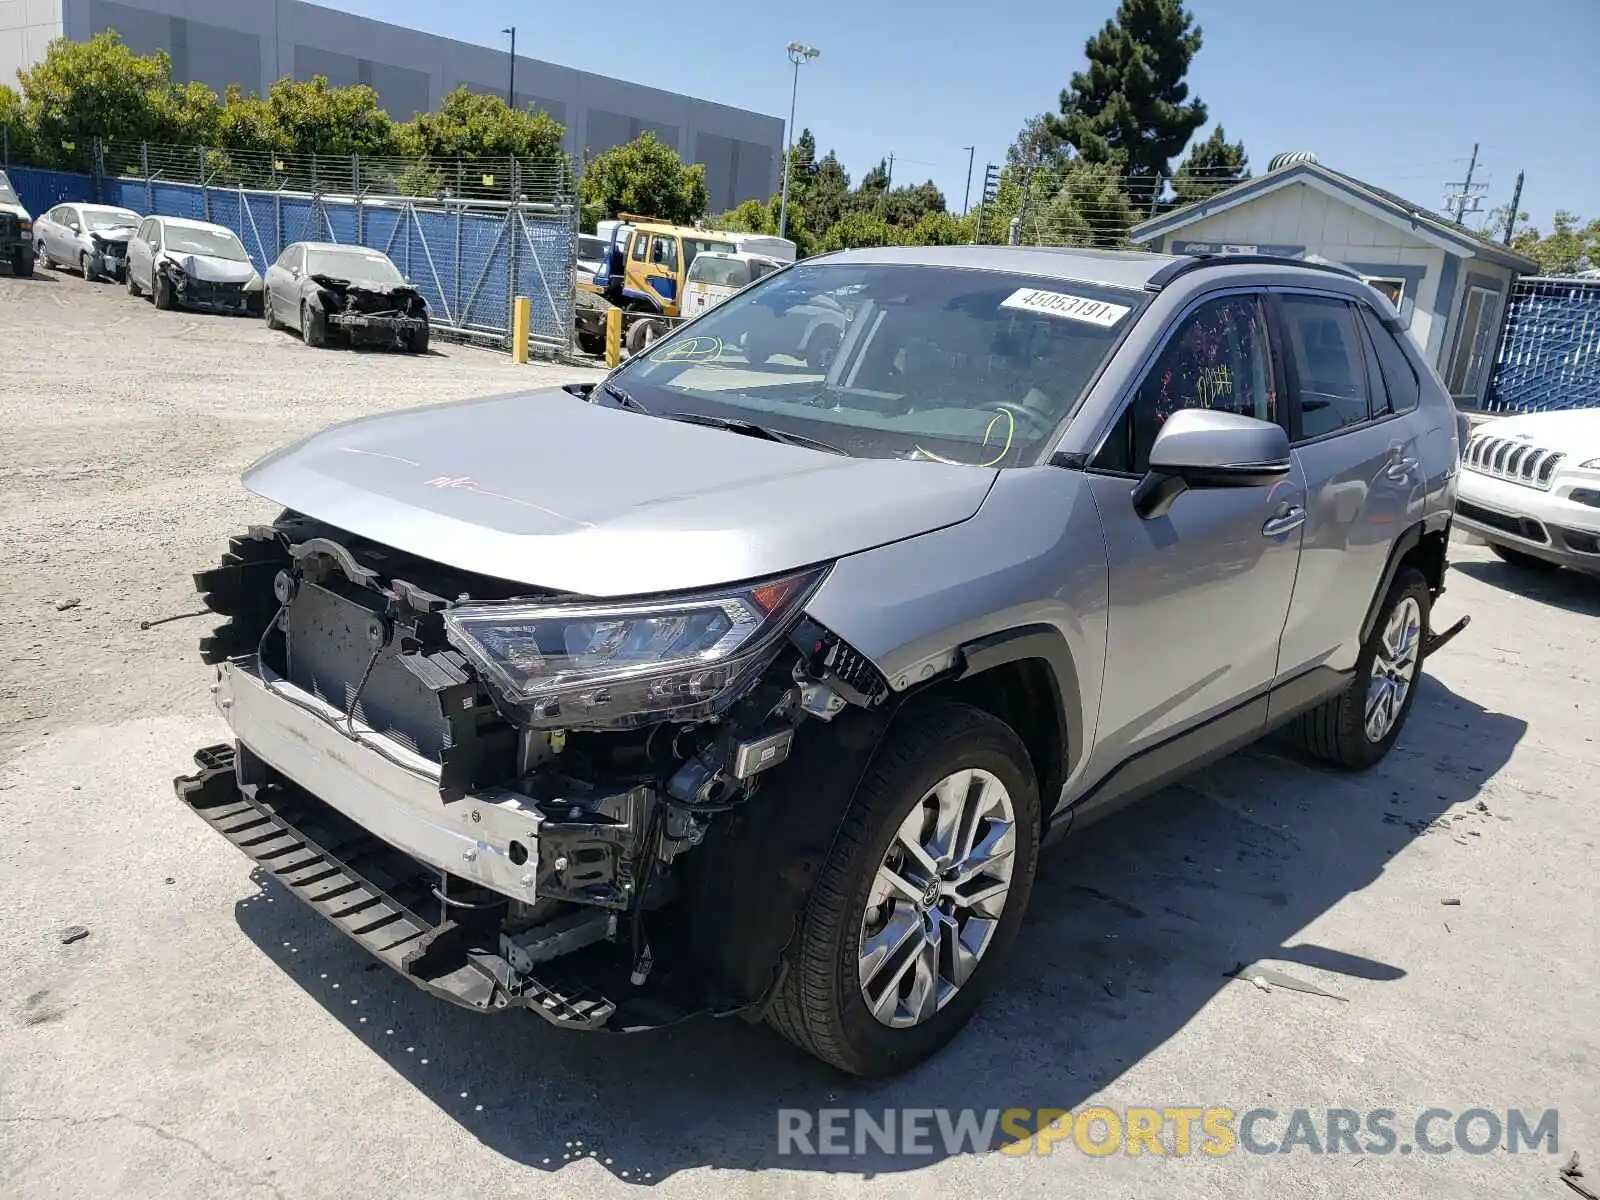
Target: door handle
[1286,521]
[1401,464]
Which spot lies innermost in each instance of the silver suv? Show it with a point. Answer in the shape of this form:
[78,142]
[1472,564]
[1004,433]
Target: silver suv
[752,680]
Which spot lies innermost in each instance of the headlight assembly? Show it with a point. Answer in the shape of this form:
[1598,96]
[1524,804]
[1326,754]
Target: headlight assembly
[630,662]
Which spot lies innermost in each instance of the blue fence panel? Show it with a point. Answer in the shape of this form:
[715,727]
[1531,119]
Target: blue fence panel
[341,222]
[258,218]
[176,200]
[39,189]
[1550,354]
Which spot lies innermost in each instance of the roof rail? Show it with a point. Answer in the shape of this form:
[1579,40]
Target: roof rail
[1195,262]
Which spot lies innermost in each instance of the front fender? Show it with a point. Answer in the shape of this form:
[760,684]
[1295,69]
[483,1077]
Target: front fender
[1026,576]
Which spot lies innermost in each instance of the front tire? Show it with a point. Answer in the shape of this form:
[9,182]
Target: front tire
[417,341]
[86,268]
[1522,561]
[163,293]
[266,311]
[127,272]
[920,899]
[313,327]
[1356,728]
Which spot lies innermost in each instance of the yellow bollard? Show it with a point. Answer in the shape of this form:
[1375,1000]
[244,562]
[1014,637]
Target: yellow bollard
[613,336]
[521,320]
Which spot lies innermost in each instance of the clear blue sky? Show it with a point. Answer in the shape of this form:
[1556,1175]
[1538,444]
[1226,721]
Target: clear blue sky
[1391,91]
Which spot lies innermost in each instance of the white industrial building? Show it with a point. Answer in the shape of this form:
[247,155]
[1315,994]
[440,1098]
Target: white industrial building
[253,42]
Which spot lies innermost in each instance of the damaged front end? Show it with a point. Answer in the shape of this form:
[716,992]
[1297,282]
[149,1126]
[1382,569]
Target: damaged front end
[372,313]
[504,795]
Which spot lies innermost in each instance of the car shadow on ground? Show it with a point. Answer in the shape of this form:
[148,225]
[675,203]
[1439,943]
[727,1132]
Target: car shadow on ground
[1571,591]
[1134,927]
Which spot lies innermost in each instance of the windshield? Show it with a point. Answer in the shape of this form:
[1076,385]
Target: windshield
[96,219]
[7,195]
[694,247]
[356,266]
[218,244]
[591,249]
[720,272]
[889,361]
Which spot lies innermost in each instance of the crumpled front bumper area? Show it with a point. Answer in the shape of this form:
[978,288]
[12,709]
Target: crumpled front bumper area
[399,910]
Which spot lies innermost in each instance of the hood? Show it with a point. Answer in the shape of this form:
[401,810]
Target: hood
[545,489]
[214,270]
[16,210]
[1575,432]
[115,233]
[366,287]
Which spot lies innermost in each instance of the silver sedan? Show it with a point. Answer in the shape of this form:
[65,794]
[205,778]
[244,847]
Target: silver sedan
[92,238]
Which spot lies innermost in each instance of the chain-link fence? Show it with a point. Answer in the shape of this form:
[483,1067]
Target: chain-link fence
[470,234]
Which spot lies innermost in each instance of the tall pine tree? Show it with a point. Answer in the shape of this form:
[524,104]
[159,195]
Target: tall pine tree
[1210,166]
[1132,104]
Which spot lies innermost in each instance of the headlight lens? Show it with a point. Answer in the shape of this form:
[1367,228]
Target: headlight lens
[1592,465]
[631,662]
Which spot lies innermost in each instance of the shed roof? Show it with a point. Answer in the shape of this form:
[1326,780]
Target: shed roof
[1397,209]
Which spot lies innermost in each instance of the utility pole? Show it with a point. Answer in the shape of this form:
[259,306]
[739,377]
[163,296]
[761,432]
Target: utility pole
[511,83]
[966,196]
[1465,200]
[1511,217]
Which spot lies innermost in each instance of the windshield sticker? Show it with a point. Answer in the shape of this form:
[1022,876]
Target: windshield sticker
[694,349]
[1063,304]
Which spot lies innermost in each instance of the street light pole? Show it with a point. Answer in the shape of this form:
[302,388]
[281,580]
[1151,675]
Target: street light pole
[511,83]
[966,196]
[798,53]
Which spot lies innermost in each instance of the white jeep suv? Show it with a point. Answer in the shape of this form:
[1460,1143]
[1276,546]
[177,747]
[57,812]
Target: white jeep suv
[1531,489]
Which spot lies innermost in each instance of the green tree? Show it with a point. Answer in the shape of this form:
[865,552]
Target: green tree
[1210,166]
[858,229]
[470,125]
[1133,98]
[246,123]
[1035,143]
[645,177]
[317,118]
[938,229]
[99,88]
[15,125]
[1566,250]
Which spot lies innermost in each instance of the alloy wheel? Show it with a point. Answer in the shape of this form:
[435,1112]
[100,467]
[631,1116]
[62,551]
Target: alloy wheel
[1394,668]
[937,898]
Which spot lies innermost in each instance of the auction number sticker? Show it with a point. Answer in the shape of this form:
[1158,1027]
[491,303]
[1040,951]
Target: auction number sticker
[1064,304]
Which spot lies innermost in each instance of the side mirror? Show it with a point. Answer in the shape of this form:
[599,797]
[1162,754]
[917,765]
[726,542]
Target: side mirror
[73,225]
[1203,448]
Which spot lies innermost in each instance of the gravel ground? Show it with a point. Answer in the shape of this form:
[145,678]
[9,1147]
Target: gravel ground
[209,1037]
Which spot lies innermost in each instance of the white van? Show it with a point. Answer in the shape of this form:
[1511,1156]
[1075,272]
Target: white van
[714,275]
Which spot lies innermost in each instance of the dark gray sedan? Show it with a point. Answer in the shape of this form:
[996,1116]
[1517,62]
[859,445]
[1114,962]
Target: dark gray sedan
[355,293]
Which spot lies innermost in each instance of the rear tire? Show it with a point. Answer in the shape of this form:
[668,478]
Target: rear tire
[1522,561]
[640,334]
[1345,731]
[822,1003]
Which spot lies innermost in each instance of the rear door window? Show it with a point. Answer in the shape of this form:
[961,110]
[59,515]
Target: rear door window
[1330,372]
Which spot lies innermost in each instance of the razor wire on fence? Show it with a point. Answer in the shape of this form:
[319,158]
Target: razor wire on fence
[470,234]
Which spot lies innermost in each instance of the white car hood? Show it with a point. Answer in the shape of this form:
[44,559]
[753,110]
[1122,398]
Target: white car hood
[15,210]
[1574,432]
[213,270]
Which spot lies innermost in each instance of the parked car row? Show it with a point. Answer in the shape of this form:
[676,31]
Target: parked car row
[325,291]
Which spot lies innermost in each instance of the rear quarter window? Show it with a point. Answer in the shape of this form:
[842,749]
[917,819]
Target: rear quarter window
[1399,377]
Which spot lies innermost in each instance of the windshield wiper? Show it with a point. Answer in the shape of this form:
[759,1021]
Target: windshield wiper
[751,429]
[622,397]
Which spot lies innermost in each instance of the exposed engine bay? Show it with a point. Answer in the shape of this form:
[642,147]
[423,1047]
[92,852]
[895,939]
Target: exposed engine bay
[371,312]
[412,761]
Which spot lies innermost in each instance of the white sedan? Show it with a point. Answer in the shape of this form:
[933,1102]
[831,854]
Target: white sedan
[1530,487]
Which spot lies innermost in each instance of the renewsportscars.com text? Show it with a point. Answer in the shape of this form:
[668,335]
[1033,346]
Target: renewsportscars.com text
[1179,1131]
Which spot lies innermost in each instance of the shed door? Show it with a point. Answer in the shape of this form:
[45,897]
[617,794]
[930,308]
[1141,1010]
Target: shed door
[1480,318]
